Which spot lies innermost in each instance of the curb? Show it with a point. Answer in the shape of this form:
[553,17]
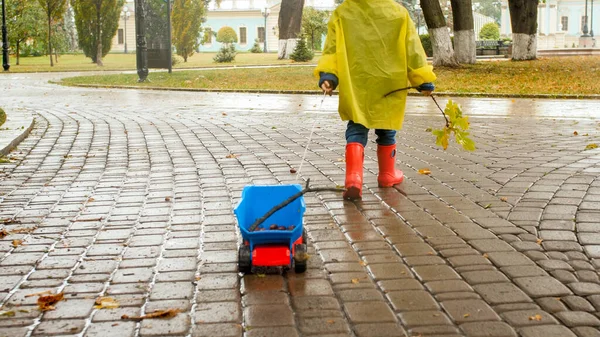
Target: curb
[313,92]
[17,129]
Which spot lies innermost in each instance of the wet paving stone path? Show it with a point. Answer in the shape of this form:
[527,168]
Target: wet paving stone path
[130,194]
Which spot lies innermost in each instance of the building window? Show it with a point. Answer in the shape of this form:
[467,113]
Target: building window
[583,21]
[121,37]
[564,22]
[242,35]
[261,34]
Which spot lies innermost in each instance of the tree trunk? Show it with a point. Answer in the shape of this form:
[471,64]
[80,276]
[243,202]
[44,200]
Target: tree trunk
[18,51]
[55,56]
[290,23]
[50,38]
[464,32]
[523,21]
[443,53]
[99,35]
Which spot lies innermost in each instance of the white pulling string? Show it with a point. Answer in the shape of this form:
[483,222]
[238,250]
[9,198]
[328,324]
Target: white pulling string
[312,131]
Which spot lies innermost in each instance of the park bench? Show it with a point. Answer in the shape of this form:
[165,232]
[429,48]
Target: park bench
[495,45]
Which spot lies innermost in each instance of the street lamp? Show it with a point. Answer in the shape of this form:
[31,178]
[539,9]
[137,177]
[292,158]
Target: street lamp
[418,10]
[5,63]
[585,25]
[125,16]
[265,12]
[592,20]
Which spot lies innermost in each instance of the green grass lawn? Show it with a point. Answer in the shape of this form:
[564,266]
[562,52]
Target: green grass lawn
[127,62]
[576,75]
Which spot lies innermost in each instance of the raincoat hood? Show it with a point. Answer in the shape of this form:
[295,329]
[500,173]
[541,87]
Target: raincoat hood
[373,48]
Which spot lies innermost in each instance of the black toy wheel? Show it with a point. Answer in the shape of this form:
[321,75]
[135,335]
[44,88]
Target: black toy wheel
[244,260]
[300,258]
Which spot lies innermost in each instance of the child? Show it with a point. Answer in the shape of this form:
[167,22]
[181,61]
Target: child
[372,49]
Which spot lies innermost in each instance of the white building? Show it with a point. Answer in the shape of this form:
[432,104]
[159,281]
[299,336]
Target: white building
[560,22]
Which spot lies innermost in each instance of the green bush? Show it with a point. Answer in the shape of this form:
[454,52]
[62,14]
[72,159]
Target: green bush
[256,47]
[301,52]
[226,54]
[489,31]
[426,42]
[227,35]
[2,116]
[176,59]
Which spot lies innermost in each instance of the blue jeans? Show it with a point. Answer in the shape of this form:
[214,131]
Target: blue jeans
[357,133]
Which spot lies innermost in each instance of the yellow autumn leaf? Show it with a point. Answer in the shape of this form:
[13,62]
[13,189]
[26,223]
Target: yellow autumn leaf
[425,171]
[106,303]
[536,317]
[355,281]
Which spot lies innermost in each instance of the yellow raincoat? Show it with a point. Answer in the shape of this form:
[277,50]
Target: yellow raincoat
[373,48]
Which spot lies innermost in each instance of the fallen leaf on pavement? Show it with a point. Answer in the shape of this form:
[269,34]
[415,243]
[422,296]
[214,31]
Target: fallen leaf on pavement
[591,146]
[466,315]
[363,263]
[536,317]
[17,243]
[425,171]
[488,206]
[46,303]
[575,133]
[293,171]
[504,199]
[7,313]
[3,233]
[355,281]
[169,313]
[539,241]
[231,155]
[106,303]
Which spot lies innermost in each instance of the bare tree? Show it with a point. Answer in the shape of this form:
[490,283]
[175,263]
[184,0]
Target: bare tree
[464,32]
[443,52]
[523,21]
[290,24]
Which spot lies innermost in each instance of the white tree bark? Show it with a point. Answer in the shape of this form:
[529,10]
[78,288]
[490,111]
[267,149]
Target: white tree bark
[524,47]
[286,48]
[465,50]
[443,53]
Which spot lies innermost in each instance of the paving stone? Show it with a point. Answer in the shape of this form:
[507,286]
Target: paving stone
[501,293]
[484,276]
[546,331]
[177,325]
[217,330]
[488,329]
[504,259]
[272,332]
[577,318]
[542,286]
[586,331]
[217,312]
[369,312]
[413,319]
[521,318]
[268,315]
[435,273]
[412,300]
[585,288]
[379,330]
[464,311]
[577,303]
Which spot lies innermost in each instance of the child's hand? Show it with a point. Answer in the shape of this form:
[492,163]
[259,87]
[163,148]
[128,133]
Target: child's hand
[426,89]
[327,87]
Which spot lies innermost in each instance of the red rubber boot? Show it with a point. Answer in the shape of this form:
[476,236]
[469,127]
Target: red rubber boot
[355,154]
[388,175]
